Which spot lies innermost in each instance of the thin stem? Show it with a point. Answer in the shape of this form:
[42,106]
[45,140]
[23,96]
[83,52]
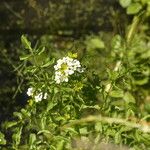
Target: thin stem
[143,126]
[132,29]
[135,23]
[12,11]
[117,66]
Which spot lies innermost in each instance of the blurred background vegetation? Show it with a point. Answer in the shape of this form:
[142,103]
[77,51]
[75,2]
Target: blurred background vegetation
[83,26]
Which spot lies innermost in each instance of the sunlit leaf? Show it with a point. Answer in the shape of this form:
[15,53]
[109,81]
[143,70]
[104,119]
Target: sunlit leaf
[129,98]
[2,139]
[116,93]
[125,3]
[25,42]
[134,8]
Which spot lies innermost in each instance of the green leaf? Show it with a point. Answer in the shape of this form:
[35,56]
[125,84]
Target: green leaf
[17,136]
[50,106]
[141,81]
[48,63]
[147,107]
[116,94]
[10,124]
[41,50]
[25,42]
[129,98]
[116,42]
[25,57]
[117,137]
[32,140]
[60,145]
[145,1]
[94,107]
[146,55]
[25,113]
[83,131]
[2,139]
[118,104]
[125,129]
[17,114]
[98,127]
[125,3]
[44,131]
[71,131]
[72,55]
[134,8]
[95,43]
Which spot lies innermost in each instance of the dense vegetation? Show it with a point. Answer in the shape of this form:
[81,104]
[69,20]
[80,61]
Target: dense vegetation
[75,74]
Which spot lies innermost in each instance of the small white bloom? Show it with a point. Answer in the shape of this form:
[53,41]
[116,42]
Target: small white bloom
[30,91]
[57,81]
[65,79]
[81,70]
[38,96]
[56,67]
[65,67]
[69,72]
[45,96]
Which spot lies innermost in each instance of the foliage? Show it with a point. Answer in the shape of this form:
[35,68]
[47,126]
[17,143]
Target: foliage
[53,123]
[136,6]
[106,103]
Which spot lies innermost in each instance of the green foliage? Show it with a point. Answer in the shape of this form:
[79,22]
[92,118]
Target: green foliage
[135,6]
[54,122]
[107,103]
[2,139]
[125,3]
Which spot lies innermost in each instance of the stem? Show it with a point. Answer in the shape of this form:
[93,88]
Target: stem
[108,86]
[132,29]
[135,23]
[12,11]
[129,37]
[143,126]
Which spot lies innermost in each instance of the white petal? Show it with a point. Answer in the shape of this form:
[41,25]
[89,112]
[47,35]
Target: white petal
[66,79]
[45,96]
[56,67]
[30,91]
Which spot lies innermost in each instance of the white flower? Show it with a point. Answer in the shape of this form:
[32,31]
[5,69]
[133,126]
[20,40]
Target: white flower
[30,91]
[59,77]
[81,70]
[56,67]
[40,96]
[37,96]
[69,71]
[65,67]
[45,96]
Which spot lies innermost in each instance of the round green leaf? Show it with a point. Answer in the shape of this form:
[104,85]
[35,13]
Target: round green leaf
[134,8]
[125,3]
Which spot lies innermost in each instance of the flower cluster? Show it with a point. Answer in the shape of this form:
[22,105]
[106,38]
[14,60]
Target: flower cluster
[65,67]
[38,97]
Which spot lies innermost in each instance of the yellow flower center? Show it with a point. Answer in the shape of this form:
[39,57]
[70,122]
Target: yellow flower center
[64,66]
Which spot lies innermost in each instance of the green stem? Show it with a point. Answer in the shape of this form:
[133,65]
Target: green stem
[132,29]
[135,23]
